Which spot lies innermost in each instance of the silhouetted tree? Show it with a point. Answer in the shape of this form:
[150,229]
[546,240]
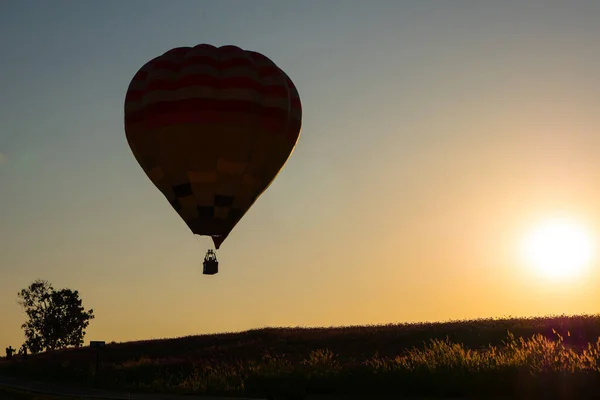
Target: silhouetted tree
[56,319]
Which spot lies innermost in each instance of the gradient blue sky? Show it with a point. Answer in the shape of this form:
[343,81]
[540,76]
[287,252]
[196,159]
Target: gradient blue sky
[434,134]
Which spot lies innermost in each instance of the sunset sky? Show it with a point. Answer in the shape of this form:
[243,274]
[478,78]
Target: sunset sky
[435,135]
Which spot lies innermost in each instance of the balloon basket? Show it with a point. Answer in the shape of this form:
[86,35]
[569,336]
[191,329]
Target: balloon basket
[210,267]
[211,264]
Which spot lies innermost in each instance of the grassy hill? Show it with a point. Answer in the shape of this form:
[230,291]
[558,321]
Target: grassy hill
[532,356]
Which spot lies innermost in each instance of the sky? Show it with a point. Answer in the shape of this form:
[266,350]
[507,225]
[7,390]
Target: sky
[434,135]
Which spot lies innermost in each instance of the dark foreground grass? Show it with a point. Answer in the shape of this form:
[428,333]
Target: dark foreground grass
[14,394]
[556,357]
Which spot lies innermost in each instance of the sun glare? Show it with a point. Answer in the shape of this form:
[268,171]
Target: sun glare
[558,248]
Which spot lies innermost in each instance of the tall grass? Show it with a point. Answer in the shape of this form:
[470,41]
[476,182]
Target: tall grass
[560,359]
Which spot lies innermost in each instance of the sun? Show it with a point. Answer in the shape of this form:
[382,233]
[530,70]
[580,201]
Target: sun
[558,248]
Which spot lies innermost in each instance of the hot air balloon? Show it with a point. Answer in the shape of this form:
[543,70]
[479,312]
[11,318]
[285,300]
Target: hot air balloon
[212,127]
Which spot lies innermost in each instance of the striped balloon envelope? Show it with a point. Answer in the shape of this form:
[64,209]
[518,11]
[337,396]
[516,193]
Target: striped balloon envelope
[212,127]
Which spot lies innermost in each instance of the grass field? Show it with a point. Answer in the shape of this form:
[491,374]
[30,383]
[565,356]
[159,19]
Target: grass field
[12,394]
[553,357]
